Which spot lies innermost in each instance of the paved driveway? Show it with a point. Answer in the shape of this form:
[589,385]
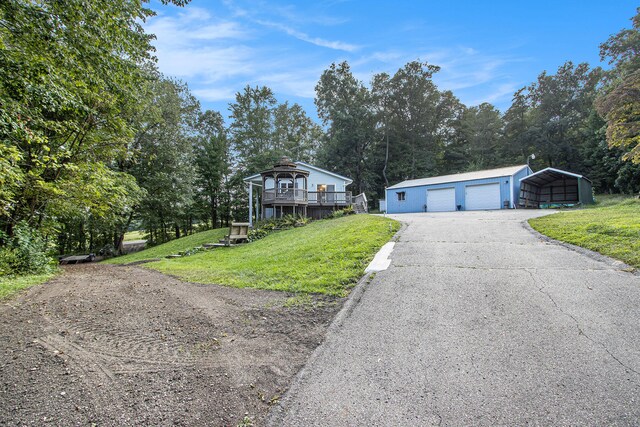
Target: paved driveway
[479,322]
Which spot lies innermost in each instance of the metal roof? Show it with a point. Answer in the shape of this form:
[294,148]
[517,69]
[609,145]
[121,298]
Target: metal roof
[302,165]
[547,175]
[467,176]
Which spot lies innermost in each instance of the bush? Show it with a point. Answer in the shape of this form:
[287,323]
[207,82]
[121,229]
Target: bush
[342,212]
[266,227]
[25,253]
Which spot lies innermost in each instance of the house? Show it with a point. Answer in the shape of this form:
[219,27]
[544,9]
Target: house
[298,188]
[488,189]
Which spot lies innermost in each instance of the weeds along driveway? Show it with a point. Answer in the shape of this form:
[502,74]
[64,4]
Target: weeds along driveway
[479,322]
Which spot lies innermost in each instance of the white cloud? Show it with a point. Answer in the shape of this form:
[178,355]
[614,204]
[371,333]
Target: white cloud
[331,44]
[216,94]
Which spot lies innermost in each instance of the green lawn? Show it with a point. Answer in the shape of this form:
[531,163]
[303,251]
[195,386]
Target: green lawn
[172,247]
[611,227]
[326,257]
[134,235]
[11,285]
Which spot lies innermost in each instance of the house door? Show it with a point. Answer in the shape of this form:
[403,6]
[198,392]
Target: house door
[327,193]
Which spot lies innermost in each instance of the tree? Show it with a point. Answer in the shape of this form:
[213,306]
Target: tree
[263,130]
[211,151]
[252,129]
[70,79]
[163,162]
[558,107]
[294,133]
[619,102]
[482,127]
[416,120]
[345,105]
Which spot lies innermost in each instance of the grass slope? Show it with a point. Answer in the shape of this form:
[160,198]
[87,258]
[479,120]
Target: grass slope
[11,285]
[325,257]
[172,247]
[611,227]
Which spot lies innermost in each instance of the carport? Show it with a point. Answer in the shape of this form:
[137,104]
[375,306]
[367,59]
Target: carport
[554,187]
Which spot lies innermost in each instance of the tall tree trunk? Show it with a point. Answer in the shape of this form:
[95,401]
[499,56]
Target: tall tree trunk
[119,240]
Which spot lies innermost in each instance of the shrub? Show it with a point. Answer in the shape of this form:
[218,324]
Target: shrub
[25,253]
[268,226]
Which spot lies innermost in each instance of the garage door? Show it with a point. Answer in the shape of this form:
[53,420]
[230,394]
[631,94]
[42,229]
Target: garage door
[441,200]
[479,197]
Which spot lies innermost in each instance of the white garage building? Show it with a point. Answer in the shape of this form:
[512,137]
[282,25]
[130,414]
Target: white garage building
[481,190]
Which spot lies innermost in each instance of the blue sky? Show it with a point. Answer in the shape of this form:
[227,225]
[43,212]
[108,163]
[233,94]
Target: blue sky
[487,49]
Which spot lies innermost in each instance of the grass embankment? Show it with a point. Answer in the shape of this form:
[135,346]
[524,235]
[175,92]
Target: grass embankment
[611,227]
[11,285]
[325,257]
[172,247]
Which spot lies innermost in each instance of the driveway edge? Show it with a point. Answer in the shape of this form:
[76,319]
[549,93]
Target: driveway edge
[612,262]
[277,412]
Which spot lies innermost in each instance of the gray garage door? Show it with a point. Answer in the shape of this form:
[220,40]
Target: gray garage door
[481,197]
[441,200]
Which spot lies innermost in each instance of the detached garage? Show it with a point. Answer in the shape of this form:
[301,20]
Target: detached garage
[482,190]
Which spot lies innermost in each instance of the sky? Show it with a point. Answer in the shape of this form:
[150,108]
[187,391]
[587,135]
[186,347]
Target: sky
[486,49]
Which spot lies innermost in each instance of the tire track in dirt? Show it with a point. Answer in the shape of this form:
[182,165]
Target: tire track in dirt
[110,345]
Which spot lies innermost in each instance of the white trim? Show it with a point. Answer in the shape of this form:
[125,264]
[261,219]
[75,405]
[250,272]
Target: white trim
[461,177]
[347,181]
[511,179]
[575,175]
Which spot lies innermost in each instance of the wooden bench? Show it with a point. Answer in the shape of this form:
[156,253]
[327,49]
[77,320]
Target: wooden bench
[75,259]
[238,233]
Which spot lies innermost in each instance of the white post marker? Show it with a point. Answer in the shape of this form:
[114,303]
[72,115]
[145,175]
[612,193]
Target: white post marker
[381,261]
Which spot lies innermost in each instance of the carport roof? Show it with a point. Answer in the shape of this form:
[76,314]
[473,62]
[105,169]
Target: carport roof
[467,176]
[548,175]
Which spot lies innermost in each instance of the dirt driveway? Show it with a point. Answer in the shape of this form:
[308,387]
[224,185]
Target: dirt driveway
[110,345]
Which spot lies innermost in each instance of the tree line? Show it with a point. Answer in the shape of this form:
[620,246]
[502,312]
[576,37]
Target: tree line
[94,140]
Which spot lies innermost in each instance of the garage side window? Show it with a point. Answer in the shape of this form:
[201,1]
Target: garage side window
[401,196]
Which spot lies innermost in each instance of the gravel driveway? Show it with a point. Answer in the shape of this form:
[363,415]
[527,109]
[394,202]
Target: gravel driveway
[479,322]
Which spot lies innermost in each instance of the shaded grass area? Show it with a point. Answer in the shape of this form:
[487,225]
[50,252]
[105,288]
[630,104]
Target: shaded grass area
[611,227]
[172,247]
[325,257]
[134,235]
[11,285]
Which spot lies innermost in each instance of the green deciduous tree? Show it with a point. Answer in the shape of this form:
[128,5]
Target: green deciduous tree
[71,74]
[482,127]
[619,102]
[345,106]
[211,150]
[164,160]
[263,130]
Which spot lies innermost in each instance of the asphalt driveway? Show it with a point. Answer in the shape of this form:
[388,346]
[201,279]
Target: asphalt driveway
[479,322]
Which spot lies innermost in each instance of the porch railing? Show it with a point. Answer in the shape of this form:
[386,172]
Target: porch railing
[319,198]
[330,198]
[281,195]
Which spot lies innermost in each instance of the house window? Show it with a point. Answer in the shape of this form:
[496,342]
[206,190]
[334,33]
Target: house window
[401,196]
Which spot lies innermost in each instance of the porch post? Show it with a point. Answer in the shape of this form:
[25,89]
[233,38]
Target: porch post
[258,206]
[250,204]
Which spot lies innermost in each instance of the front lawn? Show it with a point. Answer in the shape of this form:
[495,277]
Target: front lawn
[172,247]
[326,257]
[611,227]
